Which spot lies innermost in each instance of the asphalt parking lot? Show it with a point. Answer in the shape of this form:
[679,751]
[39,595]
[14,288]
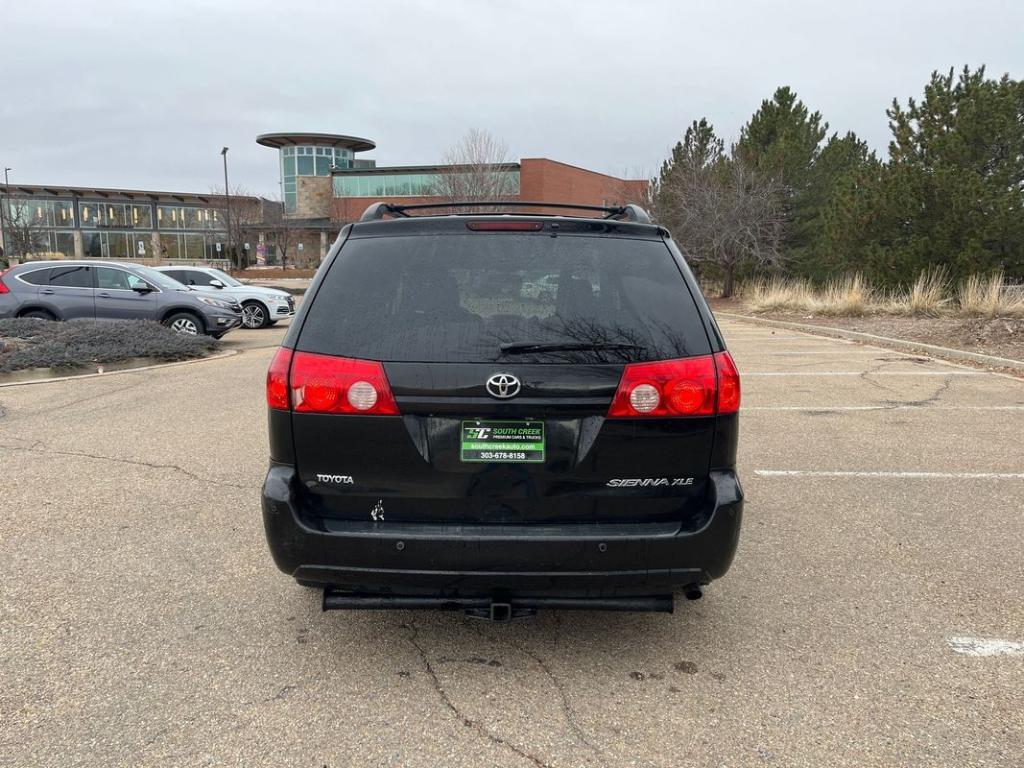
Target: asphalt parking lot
[874,614]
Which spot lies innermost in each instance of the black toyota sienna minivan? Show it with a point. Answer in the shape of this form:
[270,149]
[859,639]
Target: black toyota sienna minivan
[501,412]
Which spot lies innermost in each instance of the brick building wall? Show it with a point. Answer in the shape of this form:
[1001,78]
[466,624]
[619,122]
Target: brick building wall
[345,209]
[552,182]
[540,180]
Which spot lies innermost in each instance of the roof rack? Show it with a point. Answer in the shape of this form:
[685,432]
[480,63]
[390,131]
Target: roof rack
[630,212]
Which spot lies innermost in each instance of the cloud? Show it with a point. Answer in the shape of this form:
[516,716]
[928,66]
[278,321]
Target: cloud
[145,95]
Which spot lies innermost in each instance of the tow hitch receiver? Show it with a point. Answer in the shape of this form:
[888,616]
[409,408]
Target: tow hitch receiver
[502,609]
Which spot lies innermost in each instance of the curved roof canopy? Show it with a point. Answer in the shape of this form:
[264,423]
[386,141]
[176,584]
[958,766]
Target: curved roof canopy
[278,140]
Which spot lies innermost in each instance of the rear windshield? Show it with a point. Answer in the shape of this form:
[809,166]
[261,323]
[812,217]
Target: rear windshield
[488,298]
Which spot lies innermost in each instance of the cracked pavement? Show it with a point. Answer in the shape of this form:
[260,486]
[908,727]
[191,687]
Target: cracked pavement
[142,621]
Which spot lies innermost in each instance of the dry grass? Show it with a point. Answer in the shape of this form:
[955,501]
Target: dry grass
[931,295]
[927,296]
[847,296]
[779,295]
[989,296]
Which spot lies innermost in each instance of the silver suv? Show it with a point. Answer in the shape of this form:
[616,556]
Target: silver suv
[261,306]
[70,290]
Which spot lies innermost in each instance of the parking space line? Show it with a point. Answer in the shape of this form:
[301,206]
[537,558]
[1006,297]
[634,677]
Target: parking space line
[982,646]
[748,374]
[791,339]
[896,475]
[893,407]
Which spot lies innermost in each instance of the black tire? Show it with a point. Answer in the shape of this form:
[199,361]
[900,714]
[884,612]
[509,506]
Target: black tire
[271,323]
[38,314]
[181,322]
[255,315]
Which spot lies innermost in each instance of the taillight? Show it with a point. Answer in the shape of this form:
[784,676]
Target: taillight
[3,288]
[728,383]
[691,386]
[326,384]
[277,380]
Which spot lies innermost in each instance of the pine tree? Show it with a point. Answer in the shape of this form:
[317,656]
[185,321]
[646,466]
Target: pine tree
[783,140]
[835,183]
[952,193]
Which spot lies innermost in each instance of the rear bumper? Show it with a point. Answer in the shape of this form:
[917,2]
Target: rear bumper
[584,560]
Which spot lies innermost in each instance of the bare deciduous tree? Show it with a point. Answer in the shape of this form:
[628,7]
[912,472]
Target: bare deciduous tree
[722,212]
[280,230]
[23,229]
[248,213]
[478,167]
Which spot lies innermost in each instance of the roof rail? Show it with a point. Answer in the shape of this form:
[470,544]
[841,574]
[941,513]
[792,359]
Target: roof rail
[630,212]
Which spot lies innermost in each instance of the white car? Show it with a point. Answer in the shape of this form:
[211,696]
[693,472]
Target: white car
[261,306]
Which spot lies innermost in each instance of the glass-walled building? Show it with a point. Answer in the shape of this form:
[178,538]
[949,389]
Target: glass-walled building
[306,161]
[72,222]
[323,186]
[419,181]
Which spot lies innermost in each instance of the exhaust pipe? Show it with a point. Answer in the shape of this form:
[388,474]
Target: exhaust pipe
[693,592]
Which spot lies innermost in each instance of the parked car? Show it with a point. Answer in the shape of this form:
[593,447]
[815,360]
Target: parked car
[68,290]
[574,453]
[261,307]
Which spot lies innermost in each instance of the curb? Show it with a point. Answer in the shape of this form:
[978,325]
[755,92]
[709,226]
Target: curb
[76,377]
[900,344]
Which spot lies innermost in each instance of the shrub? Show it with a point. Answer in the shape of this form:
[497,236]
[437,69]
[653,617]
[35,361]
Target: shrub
[848,296]
[780,295]
[928,293]
[852,296]
[989,296]
[32,343]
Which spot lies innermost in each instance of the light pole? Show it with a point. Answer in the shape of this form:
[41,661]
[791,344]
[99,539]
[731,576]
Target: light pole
[227,199]
[4,209]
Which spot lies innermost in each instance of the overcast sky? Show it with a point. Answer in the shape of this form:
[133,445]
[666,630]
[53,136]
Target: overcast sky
[145,94]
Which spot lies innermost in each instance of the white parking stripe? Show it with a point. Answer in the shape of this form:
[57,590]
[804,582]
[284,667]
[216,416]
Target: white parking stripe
[748,374]
[898,475]
[981,646]
[897,407]
[820,341]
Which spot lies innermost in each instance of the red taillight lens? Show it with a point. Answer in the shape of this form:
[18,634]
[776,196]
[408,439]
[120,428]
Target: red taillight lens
[728,383]
[691,386]
[3,288]
[684,387]
[326,384]
[277,380]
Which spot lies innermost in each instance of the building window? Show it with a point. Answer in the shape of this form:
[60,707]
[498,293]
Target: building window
[308,161]
[109,245]
[192,246]
[399,184]
[304,165]
[39,212]
[187,217]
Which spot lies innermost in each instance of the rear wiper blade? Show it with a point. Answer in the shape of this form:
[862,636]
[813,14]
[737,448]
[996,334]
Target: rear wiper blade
[525,347]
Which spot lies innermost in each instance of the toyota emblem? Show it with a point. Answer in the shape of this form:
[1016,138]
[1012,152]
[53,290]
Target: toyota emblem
[503,386]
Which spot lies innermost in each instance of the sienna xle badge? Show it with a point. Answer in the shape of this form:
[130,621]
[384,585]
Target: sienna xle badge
[443,434]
